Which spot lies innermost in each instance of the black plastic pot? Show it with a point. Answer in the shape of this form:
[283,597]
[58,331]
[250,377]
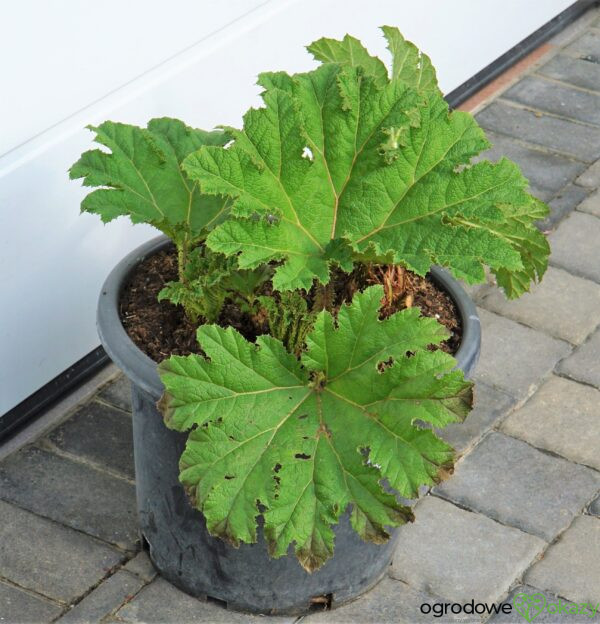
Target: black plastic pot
[180,546]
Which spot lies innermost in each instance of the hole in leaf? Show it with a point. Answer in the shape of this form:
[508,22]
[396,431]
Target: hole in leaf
[318,380]
[302,456]
[228,477]
[461,167]
[307,153]
[302,416]
[381,366]
[277,479]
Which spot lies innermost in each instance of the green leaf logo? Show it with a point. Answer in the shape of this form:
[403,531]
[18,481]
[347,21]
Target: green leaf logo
[529,606]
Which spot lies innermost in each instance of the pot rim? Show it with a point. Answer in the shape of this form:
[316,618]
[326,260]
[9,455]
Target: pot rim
[141,369]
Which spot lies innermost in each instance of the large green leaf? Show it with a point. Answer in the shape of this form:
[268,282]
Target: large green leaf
[342,153]
[266,172]
[141,177]
[302,441]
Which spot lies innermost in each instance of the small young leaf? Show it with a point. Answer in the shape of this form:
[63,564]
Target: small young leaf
[289,319]
[209,279]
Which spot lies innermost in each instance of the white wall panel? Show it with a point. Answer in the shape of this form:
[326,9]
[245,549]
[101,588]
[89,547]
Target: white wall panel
[80,62]
[68,53]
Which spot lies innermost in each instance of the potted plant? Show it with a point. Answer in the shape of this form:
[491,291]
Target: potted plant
[301,252]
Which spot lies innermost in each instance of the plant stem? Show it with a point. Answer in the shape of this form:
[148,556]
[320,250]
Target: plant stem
[182,258]
[324,296]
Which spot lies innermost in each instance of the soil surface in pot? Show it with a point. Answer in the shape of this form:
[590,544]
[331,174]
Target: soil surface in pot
[160,329]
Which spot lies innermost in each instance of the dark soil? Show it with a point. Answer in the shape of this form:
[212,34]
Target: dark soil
[160,329]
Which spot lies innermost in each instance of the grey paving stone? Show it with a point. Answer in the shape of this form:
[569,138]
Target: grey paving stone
[586,46]
[577,140]
[48,558]
[563,416]
[571,567]
[100,434]
[547,609]
[573,70]
[573,30]
[141,566]
[460,555]
[592,204]
[515,358]
[555,98]
[537,191]
[118,393]
[161,602]
[584,364]
[475,291]
[389,601]
[562,204]
[71,493]
[590,178]
[490,406]
[550,307]
[594,507]
[104,600]
[546,172]
[20,607]
[574,245]
[510,481]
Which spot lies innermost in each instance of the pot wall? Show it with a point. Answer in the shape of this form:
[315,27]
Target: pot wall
[180,546]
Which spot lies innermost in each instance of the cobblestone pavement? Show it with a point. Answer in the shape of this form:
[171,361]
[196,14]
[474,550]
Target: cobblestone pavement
[521,512]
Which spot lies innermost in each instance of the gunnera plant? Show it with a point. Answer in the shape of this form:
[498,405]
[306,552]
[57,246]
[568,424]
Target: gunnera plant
[351,167]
